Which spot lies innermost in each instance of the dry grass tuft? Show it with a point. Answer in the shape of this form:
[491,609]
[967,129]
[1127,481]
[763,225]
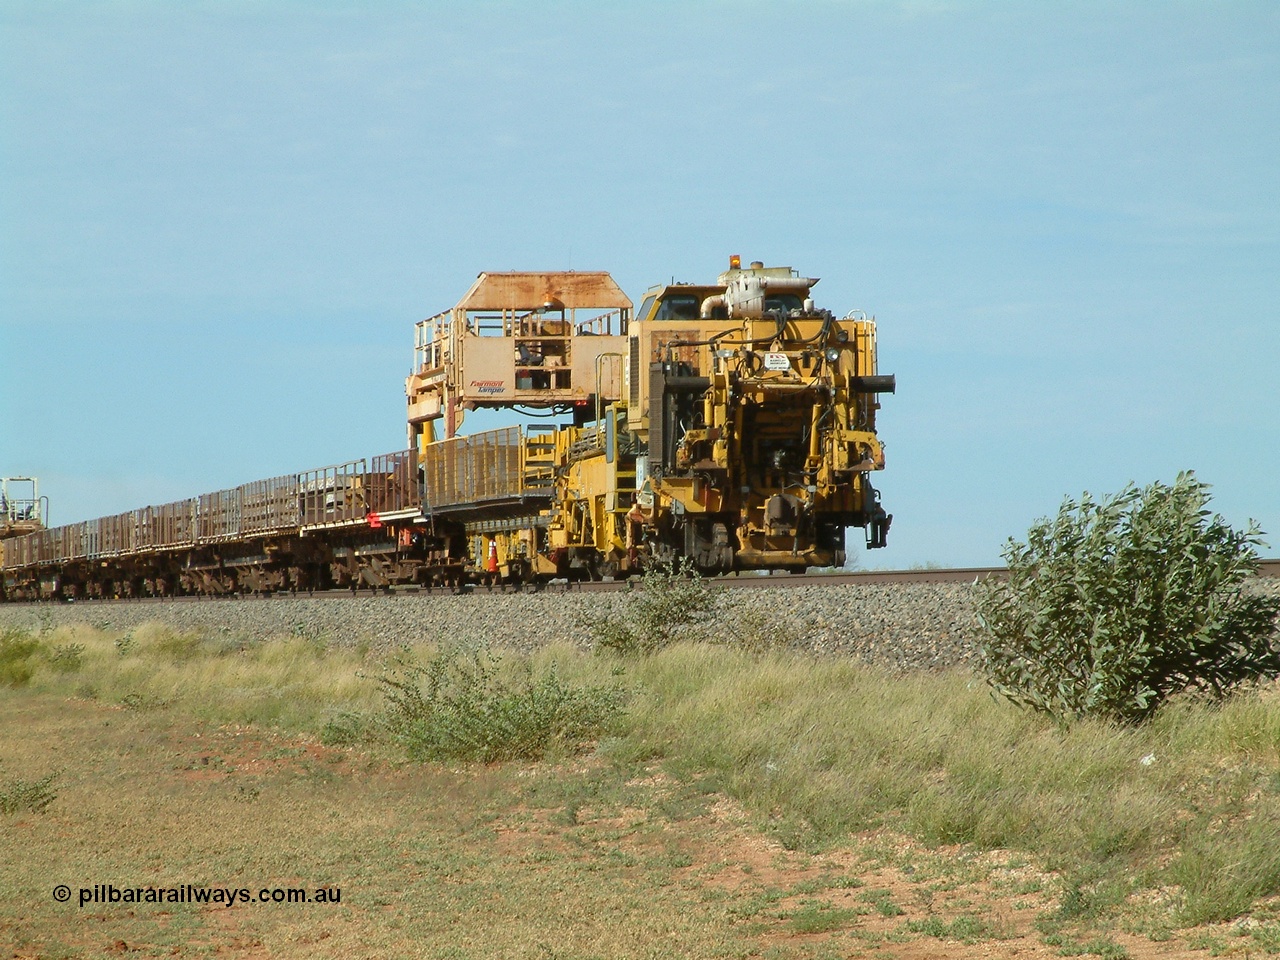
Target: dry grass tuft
[183,756]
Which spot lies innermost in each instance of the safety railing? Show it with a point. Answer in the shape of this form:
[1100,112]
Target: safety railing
[345,494]
[478,469]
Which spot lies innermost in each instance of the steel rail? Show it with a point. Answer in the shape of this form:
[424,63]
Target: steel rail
[1269,568]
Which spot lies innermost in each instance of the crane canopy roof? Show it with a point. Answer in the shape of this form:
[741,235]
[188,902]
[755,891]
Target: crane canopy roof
[569,289]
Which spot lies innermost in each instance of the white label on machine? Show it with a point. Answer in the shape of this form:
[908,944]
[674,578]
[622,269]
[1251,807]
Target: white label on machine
[776,361]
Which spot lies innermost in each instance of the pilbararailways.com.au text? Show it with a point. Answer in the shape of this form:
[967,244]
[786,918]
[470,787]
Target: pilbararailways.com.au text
[109,893]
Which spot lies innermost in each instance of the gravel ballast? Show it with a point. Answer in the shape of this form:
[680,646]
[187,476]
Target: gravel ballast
[922,625]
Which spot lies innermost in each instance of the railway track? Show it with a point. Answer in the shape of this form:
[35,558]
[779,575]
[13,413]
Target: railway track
[1266,568]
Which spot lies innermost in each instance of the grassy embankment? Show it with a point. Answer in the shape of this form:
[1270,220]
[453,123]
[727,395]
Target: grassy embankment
[1140,831]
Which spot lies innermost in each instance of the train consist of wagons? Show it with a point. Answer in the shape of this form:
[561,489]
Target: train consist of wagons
[732,424]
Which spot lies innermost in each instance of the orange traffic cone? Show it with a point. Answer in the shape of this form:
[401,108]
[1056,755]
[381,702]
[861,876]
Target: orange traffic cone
[492,565]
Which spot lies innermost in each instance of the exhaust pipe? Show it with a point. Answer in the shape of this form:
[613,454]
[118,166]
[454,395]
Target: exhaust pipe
[886,383]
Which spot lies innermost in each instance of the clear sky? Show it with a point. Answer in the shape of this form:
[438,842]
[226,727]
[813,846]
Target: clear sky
[220,221]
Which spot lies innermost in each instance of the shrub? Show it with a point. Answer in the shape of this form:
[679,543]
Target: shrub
[33,795]
[1116,605]
[344,730]
[456,707]
[673,599]
[66,658]
[17,650]
[176,647]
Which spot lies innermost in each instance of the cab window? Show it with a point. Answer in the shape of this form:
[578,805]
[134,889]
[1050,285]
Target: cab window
[646,306]
[679,307]
[784,302]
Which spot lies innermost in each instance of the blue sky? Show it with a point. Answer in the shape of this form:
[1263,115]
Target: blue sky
[219,222]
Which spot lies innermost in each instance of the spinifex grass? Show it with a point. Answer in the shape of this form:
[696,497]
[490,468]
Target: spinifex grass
[293,682]
[819,749]
[823,748]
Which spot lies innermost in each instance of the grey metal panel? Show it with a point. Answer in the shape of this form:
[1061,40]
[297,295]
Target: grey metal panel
[219,516]
[332,495]
[92,538]
[270,506]
[474,469]
[391,486]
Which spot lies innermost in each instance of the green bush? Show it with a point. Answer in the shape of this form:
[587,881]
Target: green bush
[176,647]
[1115,605]
[344,730]
[457,707]
[33,795]
[17,650]
[672,600]
[66,658]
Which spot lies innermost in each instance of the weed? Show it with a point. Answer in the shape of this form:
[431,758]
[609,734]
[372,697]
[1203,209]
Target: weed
[806,887]
[870,937]
[141,701]
[882,900]
[1266,936]
[676,860]
[1103,947]
[1091,894]
[456,707]
[1216,945]
[176,647]
[673,601]
[1222,874]
[1024,887]
[312,634]
[757,904]
[283,753]
[66,658]
[966,929]
[847,883]
[17,649]
[568,817]
[819,917]
[345,729]
[33,795]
